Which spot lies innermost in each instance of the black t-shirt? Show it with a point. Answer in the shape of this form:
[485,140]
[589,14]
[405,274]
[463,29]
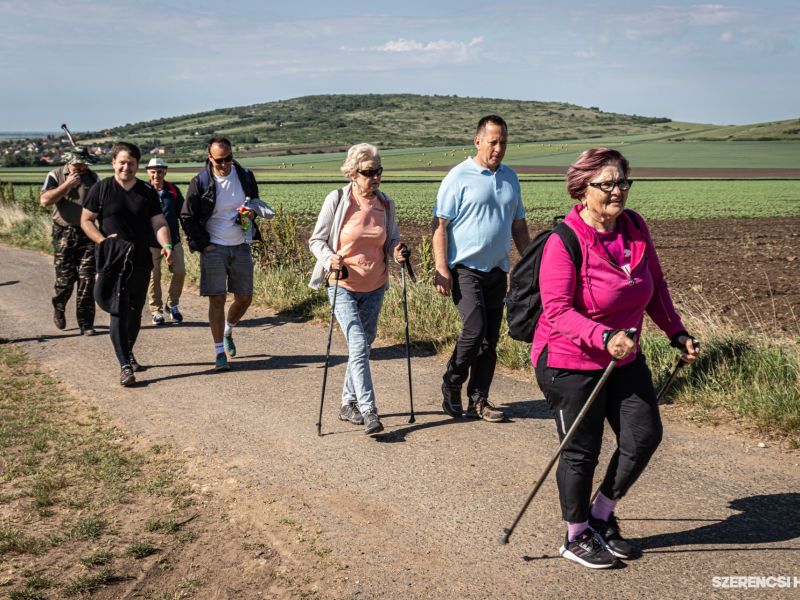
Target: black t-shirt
[126,213]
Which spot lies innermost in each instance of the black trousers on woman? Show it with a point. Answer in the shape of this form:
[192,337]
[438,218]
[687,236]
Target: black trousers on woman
[125,325]
[628,402]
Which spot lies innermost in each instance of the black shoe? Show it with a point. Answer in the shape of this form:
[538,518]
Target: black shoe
[588,550]
[372,424]
[451,403]
[126,376]
[135,364]
[610,533]
[350,412]
[59,319]
[88,330]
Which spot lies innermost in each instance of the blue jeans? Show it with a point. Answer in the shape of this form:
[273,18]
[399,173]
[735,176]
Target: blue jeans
[357,315]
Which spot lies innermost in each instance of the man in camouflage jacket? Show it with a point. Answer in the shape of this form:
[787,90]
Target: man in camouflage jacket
[63,191]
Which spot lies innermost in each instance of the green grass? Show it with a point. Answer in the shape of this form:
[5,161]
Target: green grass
[71,484]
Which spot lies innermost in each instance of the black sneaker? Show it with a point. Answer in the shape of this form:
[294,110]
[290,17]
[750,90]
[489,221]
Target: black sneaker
[59,318]
[610,533]
[451,403]
[126,376]
[350,412]
[588,550]
[135,364]
[372,424]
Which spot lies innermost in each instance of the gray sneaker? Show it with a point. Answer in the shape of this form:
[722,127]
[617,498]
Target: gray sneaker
[350,412]
[372,424]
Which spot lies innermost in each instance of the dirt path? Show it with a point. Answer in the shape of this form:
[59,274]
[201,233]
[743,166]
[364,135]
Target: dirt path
[418,511]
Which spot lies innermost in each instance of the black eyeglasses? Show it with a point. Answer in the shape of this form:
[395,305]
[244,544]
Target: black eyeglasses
[607,186]
[223,160]
[370,172]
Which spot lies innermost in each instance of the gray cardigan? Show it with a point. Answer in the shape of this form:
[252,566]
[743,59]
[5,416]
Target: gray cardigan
[324,242]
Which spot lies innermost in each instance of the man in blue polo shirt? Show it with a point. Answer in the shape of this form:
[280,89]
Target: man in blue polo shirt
[478,211]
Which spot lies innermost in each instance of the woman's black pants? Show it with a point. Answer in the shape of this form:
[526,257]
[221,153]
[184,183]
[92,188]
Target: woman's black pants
[628,402]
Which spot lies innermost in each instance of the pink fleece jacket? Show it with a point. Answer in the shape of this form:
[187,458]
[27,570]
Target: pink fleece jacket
[578,307]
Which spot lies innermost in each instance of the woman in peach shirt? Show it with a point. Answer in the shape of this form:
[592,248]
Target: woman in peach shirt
[357,229]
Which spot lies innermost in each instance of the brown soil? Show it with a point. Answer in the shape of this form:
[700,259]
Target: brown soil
[745,269]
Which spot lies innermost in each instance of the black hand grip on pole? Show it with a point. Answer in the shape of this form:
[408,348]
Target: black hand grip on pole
[327,353]
[405,253]
[567,437]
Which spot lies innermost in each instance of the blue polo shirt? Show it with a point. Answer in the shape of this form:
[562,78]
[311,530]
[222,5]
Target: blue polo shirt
[480,206]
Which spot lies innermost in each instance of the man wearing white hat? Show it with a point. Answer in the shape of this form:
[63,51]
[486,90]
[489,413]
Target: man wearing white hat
[171,204]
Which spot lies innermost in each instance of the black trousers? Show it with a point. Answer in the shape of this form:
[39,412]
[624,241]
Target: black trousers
[478,296]
[628,402]
[125,325]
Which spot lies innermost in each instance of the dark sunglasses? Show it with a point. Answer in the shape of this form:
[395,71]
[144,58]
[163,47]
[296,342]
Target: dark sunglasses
[223,160]
[370,172]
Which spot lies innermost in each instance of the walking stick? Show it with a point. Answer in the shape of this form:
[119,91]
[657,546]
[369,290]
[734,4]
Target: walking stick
[668,383]
[327,352]
[407,265]
[567,437]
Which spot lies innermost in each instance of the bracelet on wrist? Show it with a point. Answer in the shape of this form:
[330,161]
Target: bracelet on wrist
[168,246]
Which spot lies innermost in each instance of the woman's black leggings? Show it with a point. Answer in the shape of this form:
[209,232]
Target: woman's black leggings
[125,326]
[628,401]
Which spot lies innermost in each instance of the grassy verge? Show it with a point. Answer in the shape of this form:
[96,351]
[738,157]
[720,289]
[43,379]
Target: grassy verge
[744,374]
[74,492]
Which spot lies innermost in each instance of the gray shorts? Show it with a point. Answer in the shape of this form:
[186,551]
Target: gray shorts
[226,269]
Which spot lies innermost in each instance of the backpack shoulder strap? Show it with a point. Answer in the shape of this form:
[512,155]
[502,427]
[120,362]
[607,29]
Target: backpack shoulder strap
[571,243]
[173,190]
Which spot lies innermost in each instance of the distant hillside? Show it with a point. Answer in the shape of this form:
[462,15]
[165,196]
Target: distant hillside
[391,120]
[758,132]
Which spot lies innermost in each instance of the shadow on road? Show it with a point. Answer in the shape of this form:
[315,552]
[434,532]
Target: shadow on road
[253,362]
[762,520]
[11,282]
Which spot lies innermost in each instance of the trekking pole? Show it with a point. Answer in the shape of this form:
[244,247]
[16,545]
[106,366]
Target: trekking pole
[668,383]
[567,437]
[327,352]
[407,265]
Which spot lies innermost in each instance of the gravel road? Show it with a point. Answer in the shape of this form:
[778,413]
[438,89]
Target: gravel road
[417,511]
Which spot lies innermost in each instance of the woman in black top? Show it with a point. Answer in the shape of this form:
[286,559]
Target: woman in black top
[126,209]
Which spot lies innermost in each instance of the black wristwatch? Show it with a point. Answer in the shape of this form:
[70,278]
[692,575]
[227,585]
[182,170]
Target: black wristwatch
[608,334]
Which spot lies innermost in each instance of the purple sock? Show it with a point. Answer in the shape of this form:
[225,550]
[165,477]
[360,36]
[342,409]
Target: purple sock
[575,529]
[603,507]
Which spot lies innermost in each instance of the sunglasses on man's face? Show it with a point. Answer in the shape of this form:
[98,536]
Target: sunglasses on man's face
[223,160]
[370,172]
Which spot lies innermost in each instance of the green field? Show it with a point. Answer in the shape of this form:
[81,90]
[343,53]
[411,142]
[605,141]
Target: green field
[669,199]
[412,163]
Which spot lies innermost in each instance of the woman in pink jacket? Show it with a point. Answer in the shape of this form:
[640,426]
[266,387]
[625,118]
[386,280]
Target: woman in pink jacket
[584,314]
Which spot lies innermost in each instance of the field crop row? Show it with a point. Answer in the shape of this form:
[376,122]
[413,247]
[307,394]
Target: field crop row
[679,199]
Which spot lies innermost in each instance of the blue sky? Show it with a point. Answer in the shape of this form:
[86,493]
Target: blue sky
[101,63]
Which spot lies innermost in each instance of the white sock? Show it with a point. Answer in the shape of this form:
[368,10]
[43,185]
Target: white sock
[219,348]
[229,328]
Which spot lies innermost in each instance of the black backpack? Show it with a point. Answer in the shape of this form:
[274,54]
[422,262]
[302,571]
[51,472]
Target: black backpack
[523,300]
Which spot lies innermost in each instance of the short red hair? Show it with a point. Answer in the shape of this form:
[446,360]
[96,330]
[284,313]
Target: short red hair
[583,170]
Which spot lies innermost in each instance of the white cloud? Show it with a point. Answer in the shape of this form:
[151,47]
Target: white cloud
[404,45]
[586,54]
[727,36]
[712,14]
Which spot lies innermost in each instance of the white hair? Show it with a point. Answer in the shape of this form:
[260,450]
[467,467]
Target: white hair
[356,155]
